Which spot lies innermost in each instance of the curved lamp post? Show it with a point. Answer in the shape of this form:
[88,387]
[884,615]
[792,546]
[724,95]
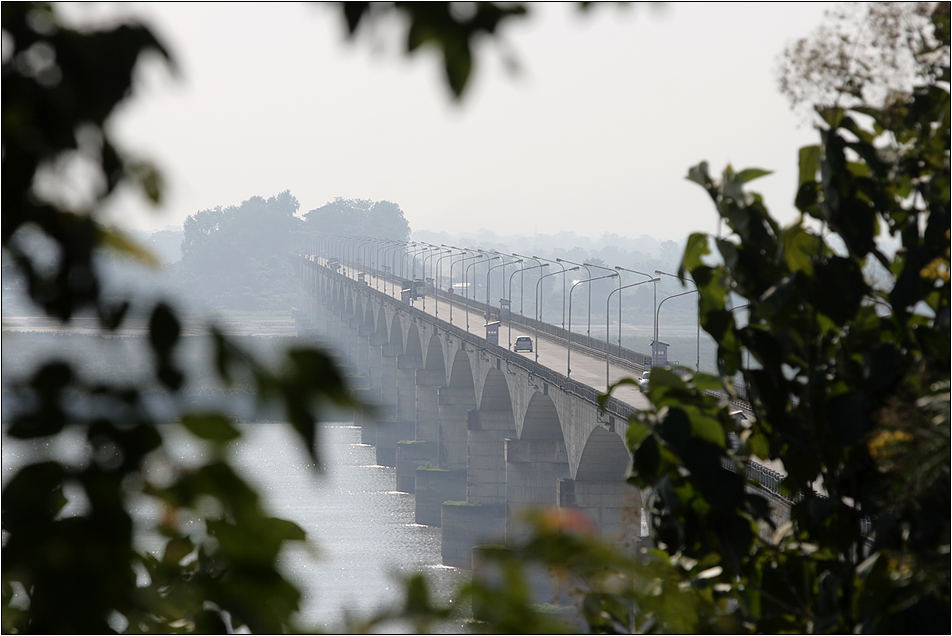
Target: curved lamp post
[655,291]
[563,283]
[568,363]
[539,307]
[489,280]
[588,273]
[466,282]
[537,265]
[608,348]
[439,270]
[522,281]
[684,280]
[453,264]
[658,313]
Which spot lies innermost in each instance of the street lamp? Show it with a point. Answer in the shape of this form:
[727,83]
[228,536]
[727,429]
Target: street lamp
[658,313]
[489,280]
[439,271]
[522,281]
[563,284]
[437,252]
[466,282]
[608,348]
[588,273]
[684,280]
[539,306]
[655,290]
[568,363]
[537,265]
[453,264]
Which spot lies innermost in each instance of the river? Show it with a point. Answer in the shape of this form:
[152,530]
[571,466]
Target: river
[363,529]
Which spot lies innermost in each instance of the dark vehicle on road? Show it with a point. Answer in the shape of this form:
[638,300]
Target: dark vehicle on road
[523,343]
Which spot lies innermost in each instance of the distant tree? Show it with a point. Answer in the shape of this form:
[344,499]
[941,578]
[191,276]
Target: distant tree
[238,257]
[359,217]
[863,53]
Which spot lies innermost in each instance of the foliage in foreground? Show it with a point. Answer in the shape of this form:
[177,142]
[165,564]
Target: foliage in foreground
[850,389]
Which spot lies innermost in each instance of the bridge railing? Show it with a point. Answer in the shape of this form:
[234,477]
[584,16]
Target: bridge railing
[634,360]
[614,407]
[768,480]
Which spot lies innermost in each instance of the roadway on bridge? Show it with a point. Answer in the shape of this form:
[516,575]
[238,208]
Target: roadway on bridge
[586,368]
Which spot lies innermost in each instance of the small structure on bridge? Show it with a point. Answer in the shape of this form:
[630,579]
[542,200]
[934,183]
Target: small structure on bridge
[504,304]
[659,353]
[492,332]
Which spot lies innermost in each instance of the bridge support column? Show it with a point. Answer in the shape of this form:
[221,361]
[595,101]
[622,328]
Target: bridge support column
[428,385]
[464,526]
[433,487]
[388,390]
[482,518]
[425,449]
[454,405]
[614,506]
[533,470]
[388,435]
[362,358]
[375,361]
[406,387]
[486,459]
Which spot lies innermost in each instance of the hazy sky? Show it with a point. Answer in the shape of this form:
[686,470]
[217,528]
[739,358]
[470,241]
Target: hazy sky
[595,133]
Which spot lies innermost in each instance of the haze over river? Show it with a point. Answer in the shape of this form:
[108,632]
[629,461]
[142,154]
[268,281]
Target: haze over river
[363,530]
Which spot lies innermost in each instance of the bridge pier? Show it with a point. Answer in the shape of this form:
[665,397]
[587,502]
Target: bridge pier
[613,505]
[433,486]
[425,448]
[454,406]
[534,468]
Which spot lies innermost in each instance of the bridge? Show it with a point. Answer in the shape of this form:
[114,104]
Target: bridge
[477,431]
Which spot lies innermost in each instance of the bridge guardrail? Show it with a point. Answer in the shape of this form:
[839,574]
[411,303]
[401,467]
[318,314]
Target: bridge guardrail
[767,479]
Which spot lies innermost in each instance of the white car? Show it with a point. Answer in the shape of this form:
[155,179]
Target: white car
[643,381]
[523,343]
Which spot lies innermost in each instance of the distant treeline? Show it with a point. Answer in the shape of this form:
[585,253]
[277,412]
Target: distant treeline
[238,257]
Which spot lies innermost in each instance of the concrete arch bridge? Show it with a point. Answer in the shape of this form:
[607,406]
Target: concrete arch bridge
[478,432]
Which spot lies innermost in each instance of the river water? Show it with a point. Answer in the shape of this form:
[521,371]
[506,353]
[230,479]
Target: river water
[363,529]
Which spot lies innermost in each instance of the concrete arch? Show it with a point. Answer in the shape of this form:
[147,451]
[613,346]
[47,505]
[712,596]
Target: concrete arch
[604,457]
[461,373]
[541,420]
[434,359]
[349,304]
[455,402]
[495,394]
[413,349]
[396,335]
[370,318]
[382,331]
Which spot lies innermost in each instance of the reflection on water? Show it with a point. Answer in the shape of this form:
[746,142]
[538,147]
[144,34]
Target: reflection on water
[363,529]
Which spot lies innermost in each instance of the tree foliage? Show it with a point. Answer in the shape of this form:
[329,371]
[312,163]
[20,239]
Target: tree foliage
[850,390]
[863,53]
[239,257]
[850,387]
[359,217]
[73,557]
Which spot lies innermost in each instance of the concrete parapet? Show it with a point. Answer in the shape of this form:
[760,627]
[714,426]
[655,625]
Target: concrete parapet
[433,487]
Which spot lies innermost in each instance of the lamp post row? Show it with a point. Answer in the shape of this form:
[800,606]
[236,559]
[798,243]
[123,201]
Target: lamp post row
[350,248]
